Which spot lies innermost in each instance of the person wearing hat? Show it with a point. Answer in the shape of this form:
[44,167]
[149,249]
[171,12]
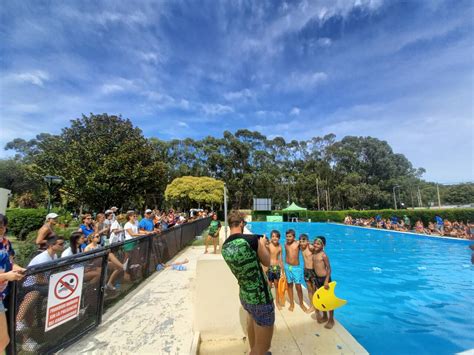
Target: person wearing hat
[46,231]
[114,211]
[146,224]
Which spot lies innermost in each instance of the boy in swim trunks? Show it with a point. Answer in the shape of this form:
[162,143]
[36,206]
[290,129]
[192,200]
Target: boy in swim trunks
[322,268]
[309,274]
[293,270]
[276,263]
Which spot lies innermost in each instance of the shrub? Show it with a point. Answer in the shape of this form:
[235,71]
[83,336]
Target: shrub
[22,221]
[23,253]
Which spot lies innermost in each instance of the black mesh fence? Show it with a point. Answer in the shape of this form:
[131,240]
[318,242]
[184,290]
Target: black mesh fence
[35,327]
[127,266]
[189,232]
[108,274]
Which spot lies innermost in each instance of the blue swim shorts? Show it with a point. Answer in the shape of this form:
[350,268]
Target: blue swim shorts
[294,274]
[262,314]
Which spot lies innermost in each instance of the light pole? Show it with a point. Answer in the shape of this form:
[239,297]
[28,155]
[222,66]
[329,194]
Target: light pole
[50,180]
[437,192]
[289,181]
[395,196]
[225,211]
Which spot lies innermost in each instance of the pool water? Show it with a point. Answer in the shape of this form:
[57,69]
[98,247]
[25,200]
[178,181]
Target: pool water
[406,293]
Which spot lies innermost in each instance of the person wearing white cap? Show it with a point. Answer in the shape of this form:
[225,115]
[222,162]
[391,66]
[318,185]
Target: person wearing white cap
[146,224]
[46,231]
[113,210]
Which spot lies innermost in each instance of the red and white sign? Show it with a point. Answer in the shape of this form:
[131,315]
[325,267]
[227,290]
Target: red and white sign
[64,297]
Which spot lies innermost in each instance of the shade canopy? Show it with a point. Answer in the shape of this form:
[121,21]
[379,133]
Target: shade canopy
[294,208]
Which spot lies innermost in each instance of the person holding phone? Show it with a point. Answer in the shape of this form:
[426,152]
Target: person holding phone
[244,255]
[9,271]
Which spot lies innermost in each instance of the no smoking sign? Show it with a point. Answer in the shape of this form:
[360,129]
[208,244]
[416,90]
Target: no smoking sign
[66,286]
[64,297]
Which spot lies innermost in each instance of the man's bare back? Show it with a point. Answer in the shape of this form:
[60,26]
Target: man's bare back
[43,233]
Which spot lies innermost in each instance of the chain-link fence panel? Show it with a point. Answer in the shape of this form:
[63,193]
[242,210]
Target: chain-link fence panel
[188,233]
[127,266]
[46,316]
[172,237]
[107,275]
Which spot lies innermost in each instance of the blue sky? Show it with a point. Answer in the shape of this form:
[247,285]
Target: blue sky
[398,71]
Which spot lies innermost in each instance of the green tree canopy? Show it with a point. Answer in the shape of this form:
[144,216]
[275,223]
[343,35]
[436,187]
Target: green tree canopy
[189,189]
[104,160]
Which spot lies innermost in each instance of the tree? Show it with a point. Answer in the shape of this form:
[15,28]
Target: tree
[28,190]
[458,194]
[188,189]
[103,161]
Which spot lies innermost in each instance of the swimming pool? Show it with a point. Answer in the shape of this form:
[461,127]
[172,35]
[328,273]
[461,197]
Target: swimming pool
[406,293]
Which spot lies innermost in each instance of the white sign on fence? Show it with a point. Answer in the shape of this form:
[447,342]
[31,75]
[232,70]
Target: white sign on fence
[64,297]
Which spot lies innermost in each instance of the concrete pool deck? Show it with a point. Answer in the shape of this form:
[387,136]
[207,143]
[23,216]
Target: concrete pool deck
[159,317]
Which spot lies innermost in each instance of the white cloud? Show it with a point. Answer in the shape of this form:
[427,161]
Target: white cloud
[302,81]
[118,85]
[264,113]
[324,42]
[239,95]
[160,98]
[295,111]
[150,57]
[183,124]
[216,109]
[105,17]
[36,77]
[184,104]
[111,88]
[296,17]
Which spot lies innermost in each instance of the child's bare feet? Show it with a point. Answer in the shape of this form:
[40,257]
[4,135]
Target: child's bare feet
[303,307]
[205,251]
[321,319]
[310,310]
[278,306]
[329,324]
[292,307]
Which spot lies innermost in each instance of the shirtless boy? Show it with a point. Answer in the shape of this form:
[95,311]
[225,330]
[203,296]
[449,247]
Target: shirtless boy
[276,263]
[322,268]
[309,274]
[293,269]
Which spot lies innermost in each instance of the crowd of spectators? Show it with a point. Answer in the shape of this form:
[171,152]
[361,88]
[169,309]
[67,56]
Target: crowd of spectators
[110,227]
[437,227]
[124,265]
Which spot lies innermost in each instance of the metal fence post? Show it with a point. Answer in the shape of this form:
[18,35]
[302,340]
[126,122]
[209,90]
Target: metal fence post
[148,254]
[11,348]
[100,308]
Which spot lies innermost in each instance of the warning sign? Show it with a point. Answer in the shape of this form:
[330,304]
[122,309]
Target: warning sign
[64,297]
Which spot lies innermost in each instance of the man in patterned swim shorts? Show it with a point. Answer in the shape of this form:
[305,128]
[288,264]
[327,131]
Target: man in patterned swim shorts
[243,254]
